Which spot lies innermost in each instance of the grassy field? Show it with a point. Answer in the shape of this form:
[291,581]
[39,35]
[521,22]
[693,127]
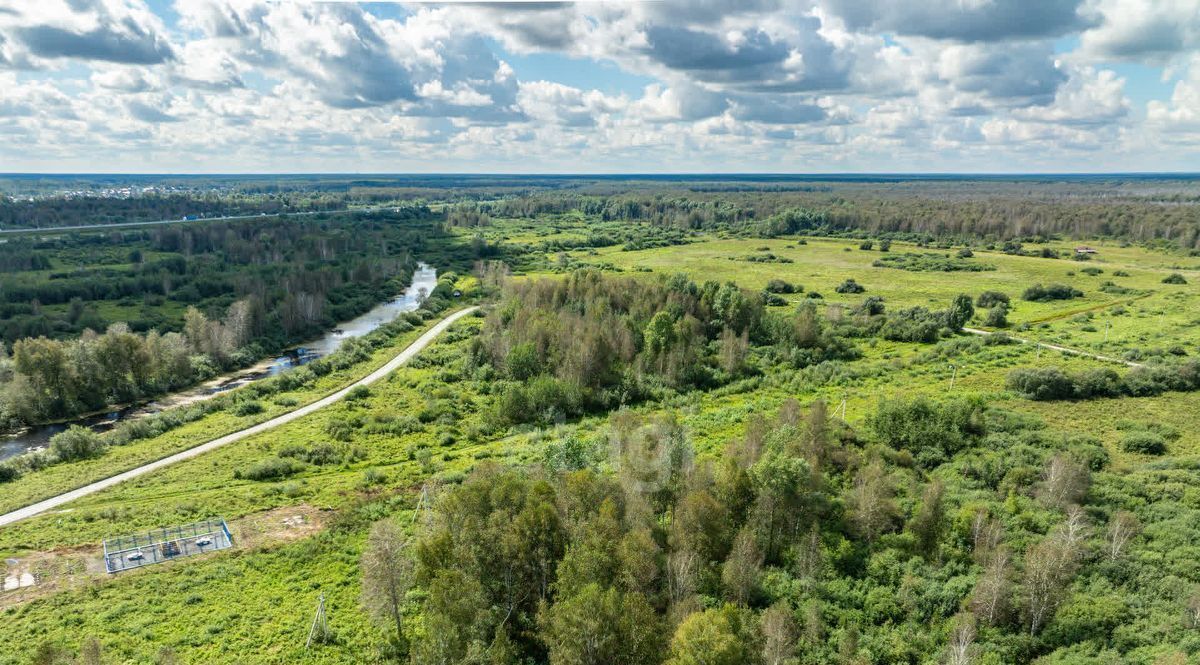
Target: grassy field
[821,264]
[258,599]
[427,422]
[247,600]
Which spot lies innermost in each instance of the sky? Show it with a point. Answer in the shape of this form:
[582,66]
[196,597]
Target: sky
[654,86]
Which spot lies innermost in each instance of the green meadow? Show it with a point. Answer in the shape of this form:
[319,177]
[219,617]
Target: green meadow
[431,423]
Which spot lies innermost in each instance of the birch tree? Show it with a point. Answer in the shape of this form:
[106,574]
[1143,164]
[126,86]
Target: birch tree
[387,574]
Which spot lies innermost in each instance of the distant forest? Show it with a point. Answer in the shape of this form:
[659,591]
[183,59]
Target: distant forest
[994,215]
[1137,208]
[98,210]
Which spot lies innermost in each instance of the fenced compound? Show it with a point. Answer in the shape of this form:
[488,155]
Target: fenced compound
[164,544]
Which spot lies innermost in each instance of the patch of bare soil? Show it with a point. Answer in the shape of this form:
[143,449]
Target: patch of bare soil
[279,525]
[40,574]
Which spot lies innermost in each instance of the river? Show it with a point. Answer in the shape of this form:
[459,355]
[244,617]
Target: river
[423,282]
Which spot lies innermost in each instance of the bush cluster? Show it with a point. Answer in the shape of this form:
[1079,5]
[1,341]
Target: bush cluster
[1144,443]
[850,286]
[1039,293]
[989,299]
[781,286]
[1052,383]
[271,469]
[929,262]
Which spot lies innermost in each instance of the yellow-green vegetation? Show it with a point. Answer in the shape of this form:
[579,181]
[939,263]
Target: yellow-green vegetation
[821,264]
[656,440]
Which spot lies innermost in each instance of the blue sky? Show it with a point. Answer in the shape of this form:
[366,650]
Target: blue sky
[664,86]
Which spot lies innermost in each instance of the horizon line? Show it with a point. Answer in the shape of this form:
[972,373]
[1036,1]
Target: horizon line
[601,174]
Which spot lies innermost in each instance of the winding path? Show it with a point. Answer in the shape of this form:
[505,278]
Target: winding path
[404,356]
[1052,347]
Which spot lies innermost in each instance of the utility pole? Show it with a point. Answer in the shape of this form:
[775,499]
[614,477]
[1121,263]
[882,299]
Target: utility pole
[424,505]
[320,625]
[842,408]
[953,376]
[1108,326]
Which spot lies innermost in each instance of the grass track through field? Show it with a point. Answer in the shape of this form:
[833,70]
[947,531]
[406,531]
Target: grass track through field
[91,488]
[1093,308]
[1056,347]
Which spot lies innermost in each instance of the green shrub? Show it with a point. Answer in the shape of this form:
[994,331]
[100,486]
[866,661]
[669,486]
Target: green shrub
[524,362]
[764,258]
[931,431]
[989,299]
[247,408]
[1097,382]
[781,286]
[320,454]
[271,469]
[1039,293]
[1108,286]
[850,286]
[1041,383]
[997,316]
[339,429]
[76,443]
[373,477]
[930,262]
[915,324]
[1174,278]
[1144,443]
[1051,383]
[871,306]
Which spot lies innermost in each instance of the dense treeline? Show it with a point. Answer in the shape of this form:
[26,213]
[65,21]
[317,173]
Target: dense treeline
[942,532]
[873,211]
[1052,383]
[591,341]
[466,216]
[958,208]
[304,274]
[560,348]
[214,296]
[52,379]
[119,360]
